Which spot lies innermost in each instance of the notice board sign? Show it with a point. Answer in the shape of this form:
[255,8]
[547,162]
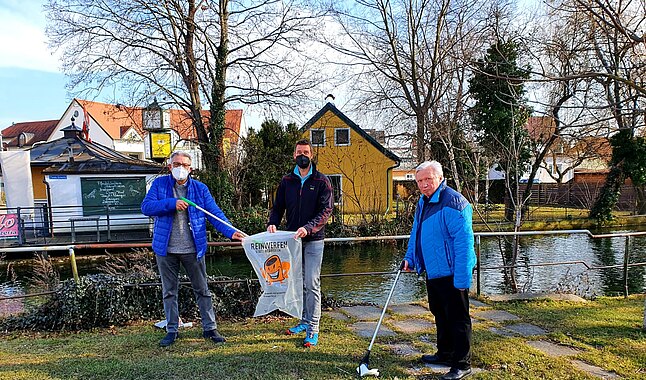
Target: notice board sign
[8,226]
[159,144]
[121,195]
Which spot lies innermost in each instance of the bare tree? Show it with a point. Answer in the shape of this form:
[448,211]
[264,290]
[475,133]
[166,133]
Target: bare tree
[616,53]
[195,54]
[410,59]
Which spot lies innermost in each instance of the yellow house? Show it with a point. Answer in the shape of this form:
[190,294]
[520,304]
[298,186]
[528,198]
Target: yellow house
[359,167]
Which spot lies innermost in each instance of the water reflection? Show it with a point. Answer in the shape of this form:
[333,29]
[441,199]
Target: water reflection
[386,257]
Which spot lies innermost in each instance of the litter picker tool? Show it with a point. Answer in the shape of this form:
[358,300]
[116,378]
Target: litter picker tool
[363,369]
[210,214]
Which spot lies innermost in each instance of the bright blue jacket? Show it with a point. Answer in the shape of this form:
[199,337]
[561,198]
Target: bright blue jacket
[441,241]
[160,203]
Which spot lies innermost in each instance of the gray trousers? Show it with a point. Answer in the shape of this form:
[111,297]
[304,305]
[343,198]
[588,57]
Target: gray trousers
[196,270]
[312,259]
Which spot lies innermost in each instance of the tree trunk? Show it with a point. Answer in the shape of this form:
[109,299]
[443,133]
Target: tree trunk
[640,193]
[421,132]
[609,194]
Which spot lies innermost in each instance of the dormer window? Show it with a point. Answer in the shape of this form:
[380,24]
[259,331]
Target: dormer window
[24,138]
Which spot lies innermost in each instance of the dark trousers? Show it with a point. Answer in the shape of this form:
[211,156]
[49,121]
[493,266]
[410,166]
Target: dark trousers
[450,307]
[196,270]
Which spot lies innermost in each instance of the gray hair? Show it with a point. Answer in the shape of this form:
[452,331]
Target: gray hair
[436,166]
[181,153]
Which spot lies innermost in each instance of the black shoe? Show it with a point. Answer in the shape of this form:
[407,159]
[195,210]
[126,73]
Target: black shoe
[214,336]
[456,374]
[436,359]
[169,339]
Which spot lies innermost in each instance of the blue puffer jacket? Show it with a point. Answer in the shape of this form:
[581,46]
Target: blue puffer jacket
[160,204]
[446,244]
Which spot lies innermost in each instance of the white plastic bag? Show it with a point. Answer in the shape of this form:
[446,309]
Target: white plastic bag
[277,259]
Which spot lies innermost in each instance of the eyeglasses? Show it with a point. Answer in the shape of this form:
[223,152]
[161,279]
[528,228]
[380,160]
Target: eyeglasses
[178,164]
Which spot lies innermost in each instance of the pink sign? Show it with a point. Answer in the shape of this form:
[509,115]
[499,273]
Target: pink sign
[8,226]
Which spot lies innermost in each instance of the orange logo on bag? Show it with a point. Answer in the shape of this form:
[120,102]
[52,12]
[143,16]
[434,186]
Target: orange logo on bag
[275,270]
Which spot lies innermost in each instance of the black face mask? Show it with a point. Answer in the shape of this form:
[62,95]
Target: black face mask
[302,161]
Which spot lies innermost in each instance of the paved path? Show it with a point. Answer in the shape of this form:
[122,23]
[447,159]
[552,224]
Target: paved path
[413,319]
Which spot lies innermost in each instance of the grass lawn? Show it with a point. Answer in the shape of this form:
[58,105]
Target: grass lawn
[607,332]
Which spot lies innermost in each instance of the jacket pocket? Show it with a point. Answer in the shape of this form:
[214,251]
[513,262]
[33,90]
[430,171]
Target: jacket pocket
[448,256]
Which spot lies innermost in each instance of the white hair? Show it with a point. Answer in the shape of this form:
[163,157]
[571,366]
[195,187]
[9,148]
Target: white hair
[181,153]
[436,166]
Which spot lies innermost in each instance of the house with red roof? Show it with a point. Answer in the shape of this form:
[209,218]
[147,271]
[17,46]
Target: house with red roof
[121,128]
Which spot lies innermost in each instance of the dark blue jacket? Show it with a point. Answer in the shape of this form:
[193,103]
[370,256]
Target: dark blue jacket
[309,206]
[441,241]
[160,204]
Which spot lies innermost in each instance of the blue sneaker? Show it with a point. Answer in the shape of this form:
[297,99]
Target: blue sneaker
[311,339]
[299,328]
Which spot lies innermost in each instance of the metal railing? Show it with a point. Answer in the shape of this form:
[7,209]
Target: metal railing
[478,269]
[42,225]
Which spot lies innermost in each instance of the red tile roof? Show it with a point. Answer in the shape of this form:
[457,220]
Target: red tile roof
[117,119]
[37,130]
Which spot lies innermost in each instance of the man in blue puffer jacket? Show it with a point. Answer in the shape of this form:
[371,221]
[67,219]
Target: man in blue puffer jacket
[179,236]
[441,244]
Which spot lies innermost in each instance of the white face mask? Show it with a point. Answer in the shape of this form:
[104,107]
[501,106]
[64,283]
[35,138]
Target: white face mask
[180,173]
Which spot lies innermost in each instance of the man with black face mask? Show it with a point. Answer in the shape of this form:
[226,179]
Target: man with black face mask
[306,195]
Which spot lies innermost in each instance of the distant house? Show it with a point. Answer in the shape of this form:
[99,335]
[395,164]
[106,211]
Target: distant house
[121,128]
[24,135]
[359,166]
[566,157]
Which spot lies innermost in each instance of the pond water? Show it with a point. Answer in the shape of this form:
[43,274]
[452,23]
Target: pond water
[386,257]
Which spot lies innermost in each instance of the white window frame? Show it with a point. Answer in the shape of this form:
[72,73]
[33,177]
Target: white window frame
[336,143]
[340,188]
[312,140]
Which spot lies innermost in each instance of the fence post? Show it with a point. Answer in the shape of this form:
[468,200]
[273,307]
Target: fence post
[107,221]
[478,265]
[75,271]
[626,254]
[21,228]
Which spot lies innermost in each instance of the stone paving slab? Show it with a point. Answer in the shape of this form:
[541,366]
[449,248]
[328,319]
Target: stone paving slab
[552,349]
[337,315]
[412,326]
[404,349]
[526,329]
[496,315]
[408,309]
[366,329]
[363,312]
[594,370]
[428,339]
[501,331]
[477,303]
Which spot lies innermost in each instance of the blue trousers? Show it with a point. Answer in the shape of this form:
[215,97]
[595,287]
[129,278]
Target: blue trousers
[196,270]
[312,259]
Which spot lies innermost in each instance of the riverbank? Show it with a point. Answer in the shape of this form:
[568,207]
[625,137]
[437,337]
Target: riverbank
[637,222]
[604,333]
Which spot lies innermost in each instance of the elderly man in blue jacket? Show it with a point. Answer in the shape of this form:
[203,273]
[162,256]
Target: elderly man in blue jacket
[441,244]
[179,237]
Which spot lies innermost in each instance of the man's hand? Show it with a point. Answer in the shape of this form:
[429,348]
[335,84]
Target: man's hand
[300,233]
[180,205]
[271,228]
[404,266]
[237,236]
